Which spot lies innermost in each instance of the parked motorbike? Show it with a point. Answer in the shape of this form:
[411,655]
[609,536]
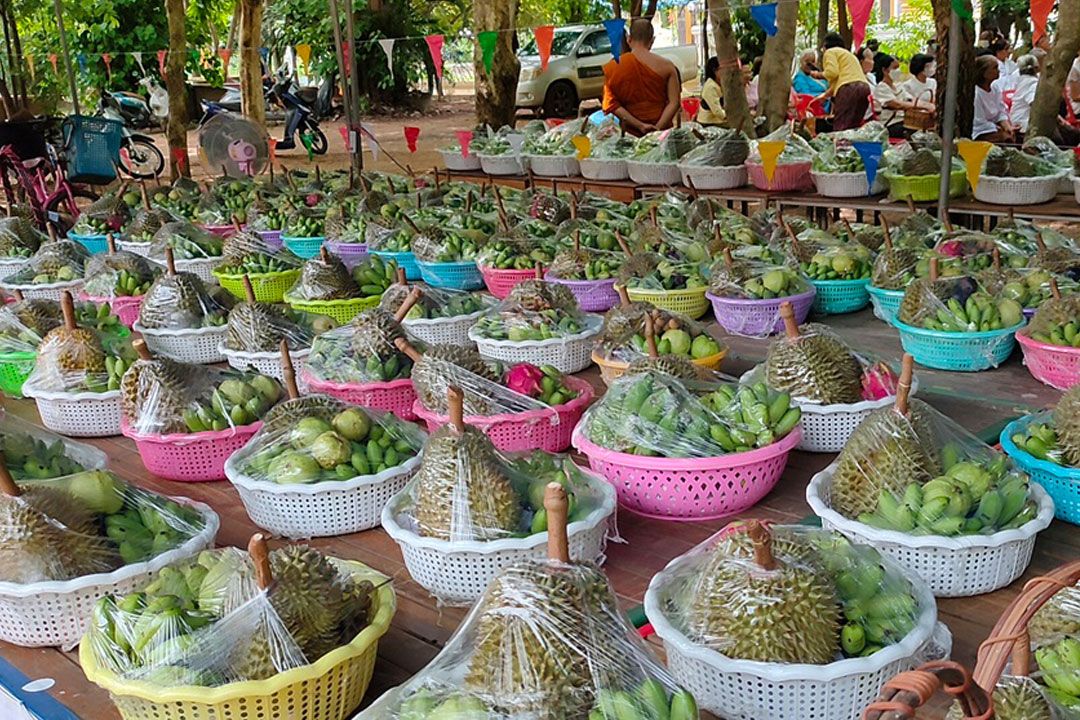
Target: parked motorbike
[139,156]
[299,117]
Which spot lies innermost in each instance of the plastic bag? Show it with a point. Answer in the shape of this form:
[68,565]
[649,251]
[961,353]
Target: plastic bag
[31,452]
[181,199]
[895,267]
[843,261]
[246,253]
[305,222]
[745,590]
[1030,287]
[623,336]
[19,237]
[1014,163]
[188,242]
[585,264]
[666,146]
[231,199]
[517,249]
[919,156]
[534,310]
[54,262]
[267,214]
[754,280]
[796,150]
[872,237]
[324,278]
[363,351]
[74,359]
[119,274]
[1051,322]
[835,151]
[180,301]
[24,323]
[1048,151]
[958,304]
[435,302]
[107,214]
[556,142]
[145,223]
[260,327]
[649,271]
[722,148]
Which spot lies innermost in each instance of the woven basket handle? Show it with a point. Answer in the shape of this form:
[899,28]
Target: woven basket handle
[905,693]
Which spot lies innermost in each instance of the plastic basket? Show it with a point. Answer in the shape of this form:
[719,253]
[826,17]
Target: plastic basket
[612,370]
[92,146]
[395,396]
[758,318]
[266,363]
[405,260]
[846,185]
[503,164]
[305,247]
[959,566]
[94,244]
[569,354]
[50,291]
[592,295]
[787,177]
[704,177]
[342,311]
[15,367]
[202,267]
[1018,191]
[328,689]
[1056,365]
[838,297]
[959,351]
[454,160]
[125,307]
[1062,484]
[56,613]
[11,265]
[603,169]
[690,302]
[886,302]
[351,254]
[463,275]
[690,488]
[648,173]
[139,248]
[501,281]
[458,572]
[268,287]
[826,428]
[547,429]
[82,414]
[198,346]
[923,188]
[444,331]
[554,166]
[752,690]
[272,238]
[224,230]
[190,457]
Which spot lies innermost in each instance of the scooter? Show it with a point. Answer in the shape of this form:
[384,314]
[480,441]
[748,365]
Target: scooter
[139,156]
[298,117]
[159,100]
[130,107]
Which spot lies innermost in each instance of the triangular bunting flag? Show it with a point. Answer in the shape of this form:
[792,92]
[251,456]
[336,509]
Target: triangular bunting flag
[860,15]
[107,59]
[411,135]
[303,53]
[487,40]
[387,45]
[870,152]
[161,55]
[973,153]
[545,34]
[765,17]
[583,145]
[770,152]
[435,47]
[373,143]
[52,61]
[464,138]
[345,138]
[615,28]
[1040,11]
[691,105]
[138,61]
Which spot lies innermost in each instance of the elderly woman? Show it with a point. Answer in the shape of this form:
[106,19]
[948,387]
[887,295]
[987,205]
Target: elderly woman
[991,121]
[808,79]
[1026,83]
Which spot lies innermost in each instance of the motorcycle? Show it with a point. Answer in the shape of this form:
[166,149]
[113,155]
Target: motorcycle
[139,156]
[299,116]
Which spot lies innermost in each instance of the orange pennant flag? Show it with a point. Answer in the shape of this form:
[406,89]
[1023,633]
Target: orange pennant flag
[973,153]
[770,152]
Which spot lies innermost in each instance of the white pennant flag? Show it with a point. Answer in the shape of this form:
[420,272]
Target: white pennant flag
[138,59]
[388,48]
[370,133]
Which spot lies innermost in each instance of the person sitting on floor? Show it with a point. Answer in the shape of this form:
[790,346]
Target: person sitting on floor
[991,121]
[890,97]
[642,89]
[808,80]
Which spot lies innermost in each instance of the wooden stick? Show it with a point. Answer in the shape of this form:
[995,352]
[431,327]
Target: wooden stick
[407,304]
[624,296]
[67,306]
[933,269]
[110,243]
[885,230]
[791,326]
[693,188]
[237,225]
[847,226]
[1039,241]
[52,232]
[1054,290]
[903,386]
[260,556]
[650,338]
[622,244]
[539,271]
[406,348]
[324,254]
[288,372]
[170,261]
[145,195]
[556,505]
[996,255]
[249,291]
[455,399]
[911,203]
[577,240]
[140,347]
[401,279]
[728,260]
[762,539]
[7,483]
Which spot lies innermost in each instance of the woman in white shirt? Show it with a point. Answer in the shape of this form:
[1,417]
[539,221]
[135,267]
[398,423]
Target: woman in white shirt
[890,99]
[991,121]
[921,86]
[1026,83]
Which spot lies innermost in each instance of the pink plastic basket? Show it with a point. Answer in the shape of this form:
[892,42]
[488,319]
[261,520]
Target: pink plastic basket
[397,396]
[124,307]
[500,281]
[789,176]
[225,231]
[190,457]
[757,318]
[532,430]
[1055,365]
[690,488]
[592,295]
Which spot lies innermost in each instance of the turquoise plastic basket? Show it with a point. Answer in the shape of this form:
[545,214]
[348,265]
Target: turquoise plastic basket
[93,243]
[405,260]
[886,302]
[959,351]
[837,297]
[1062,484]
[305,247]
[464,275]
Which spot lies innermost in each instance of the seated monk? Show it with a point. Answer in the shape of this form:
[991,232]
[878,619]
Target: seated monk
[642,89]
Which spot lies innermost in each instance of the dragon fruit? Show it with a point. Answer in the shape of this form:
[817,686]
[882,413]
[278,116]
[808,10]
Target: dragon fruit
[525,379]
[878,381]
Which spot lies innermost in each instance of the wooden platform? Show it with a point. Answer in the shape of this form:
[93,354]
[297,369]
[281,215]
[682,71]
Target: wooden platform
[981,402]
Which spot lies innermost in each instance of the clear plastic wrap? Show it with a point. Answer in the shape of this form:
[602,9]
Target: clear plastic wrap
[667,146]
[363,351]
[1048,151]
[118,273]
[31,452]
[650,271]
[720,148]
[919,156]
[796,149]
[623,336]
[19,238]
[187,241]
[1015,163]
[24,323]
[180,301]
[267,214]
[435,302]
[556,142]
[754,280]
[1052,434]
[305,222]
[518,249]
[246,253]
[325,277]
[1031,287]
[436,244]
[836,153]
[534,310]
[582,263]
[181,199]
[107,214]
[957,304]
[54,262]
[895,267]
[255,327]
[145,223]
[843,261]
[231,199]
[1057,321]
[1019,697]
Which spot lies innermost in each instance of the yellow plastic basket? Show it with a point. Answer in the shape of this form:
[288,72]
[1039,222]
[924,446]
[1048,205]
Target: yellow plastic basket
[612,370]
[330,689]
[342,311]
[691,302]
[268,287]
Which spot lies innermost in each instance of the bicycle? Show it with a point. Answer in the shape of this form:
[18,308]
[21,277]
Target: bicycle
[43,186]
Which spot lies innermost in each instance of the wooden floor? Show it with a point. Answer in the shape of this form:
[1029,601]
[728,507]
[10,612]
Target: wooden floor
[980,401]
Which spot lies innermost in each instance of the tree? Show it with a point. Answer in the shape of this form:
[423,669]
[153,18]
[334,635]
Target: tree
[253,104]
[731,79]
[1044,108]
[775,83]
[822,23]
[965,95]
[13,92]
[842,26]
[175,82]
[496,92]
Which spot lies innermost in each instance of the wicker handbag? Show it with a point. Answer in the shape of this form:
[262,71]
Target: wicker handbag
[917,118]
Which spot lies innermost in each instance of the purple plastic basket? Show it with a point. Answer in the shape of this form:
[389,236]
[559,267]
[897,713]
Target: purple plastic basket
[272,238]
[592,295]
[352,254]
[1030,312]
[757,318]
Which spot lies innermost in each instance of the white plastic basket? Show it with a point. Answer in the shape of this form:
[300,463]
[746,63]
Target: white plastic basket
[81,414]
[457,573]
[266,363]
[51,291]
[453,160]
[1065,183]
[10,266]
[846,185]
[503,164]
[603,169]
[569,354]
[198,346]
[443,331]
[320,509]
[752,690]
[648,173]
[203,267]
[1076,188]
[1018,191]
[554,165]
[704,177]
[952,566]
[45,614]
[139,248]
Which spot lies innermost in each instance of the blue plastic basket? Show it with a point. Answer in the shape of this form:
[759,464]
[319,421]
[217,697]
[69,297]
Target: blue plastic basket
[836,297]
[92,147]
[305,247]
[959,351]
[405,260]
[93,243]
[464,275]
[1062,484]
[886,302]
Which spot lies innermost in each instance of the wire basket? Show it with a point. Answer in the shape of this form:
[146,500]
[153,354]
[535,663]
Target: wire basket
[1018,191]
[503,164]
[786,178]
[322,509]
[690,302]
[328,689]
[612,370]
[396,396]
[500,281]
[342,311]
[704,177]
[56,613]
[444,331]
[568,354]
[839,297]
[454,160]
[547,429]
[125,307]
[1056,365]
[222,230]
[463,275]
[94,244]
[190,457]
[266,363]
[350,254]
[959,566]
[649,173]
[923,188]
[405,260]
[269,287]
[304,247]
[202,267]
[690,488]
[1061,483]
[81,414]
[959,351]
[758,318]
[11,265]
[604,169]
[15,367]
[592,295]
[563,166]
[49,291]
[458,572]
[886,302]
[846,185]
[197,346]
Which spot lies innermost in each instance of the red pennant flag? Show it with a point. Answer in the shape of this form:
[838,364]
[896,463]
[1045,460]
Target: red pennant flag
[52,59]
[691,106]
[1040,11]
[860,15]
[107,58]
[271,144]
[554,122]
[346,53]
[544,36]
[435,46]
[464,137]
[161,55]
[180,156]
[411,134]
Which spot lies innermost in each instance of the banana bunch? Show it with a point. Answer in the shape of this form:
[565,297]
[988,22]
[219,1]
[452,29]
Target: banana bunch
[1041,440]
[374,275]
[98,317]
[457,248]
[755,416]
[503,255]
[879,612]
[115,367]
[978,313]
[647,701]
[1066,335]
[970,498]
[131,285]
[255,264]
[1060,667]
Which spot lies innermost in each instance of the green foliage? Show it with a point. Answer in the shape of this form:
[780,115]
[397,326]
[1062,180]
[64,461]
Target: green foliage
[906,34]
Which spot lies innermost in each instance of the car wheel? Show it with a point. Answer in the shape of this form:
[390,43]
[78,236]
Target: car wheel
[561,101]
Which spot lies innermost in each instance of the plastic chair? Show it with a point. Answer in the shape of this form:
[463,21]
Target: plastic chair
[92,147]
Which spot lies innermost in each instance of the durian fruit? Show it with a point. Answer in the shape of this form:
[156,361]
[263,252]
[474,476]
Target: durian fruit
[53,256]
[176,300]
[324,277]
[1054,312]
[38,314]
[765,601]
[258,327]
[153,393]
[1015,698]
[1067,424]
[70,350]
[812,364]
[1054,259]
[1058,617]
[442,366]
[540,295]
[638,265]
[18,236]
[463,491]
[893,265]
[287,412]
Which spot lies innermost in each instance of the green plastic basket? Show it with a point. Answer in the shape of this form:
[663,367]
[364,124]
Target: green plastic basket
[924,188]
[15,367]
[268,287]
[342,311]
[690,302]
[837,297]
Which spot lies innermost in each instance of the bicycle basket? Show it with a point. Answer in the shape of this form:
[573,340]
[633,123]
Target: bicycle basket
[93,148]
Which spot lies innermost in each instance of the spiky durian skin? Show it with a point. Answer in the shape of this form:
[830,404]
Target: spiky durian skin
[1019,699]
[174,301]
[674,365]
[73,350]
[1067,424]
[816,366]
[540,295]
[154,396]
[1055,312]
[918,299]
[280,417]
[889,267]
[325,280]
[436,372]
[1058,617]
[308,595]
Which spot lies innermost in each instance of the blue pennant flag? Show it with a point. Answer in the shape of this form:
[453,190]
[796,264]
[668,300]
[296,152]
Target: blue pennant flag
[615,29]
[870,152]
[264,53]
[81,59]
[765,16]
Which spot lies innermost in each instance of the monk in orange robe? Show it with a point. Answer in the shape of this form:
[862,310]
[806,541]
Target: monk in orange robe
[642,89]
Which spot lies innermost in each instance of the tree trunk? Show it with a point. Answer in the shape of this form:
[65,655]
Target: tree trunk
[1044,109]
[731,80]
[965,96]
[176,125]
[775,79]
[234,24]
[252,102]
[822,23]
[842,26]
[496,92]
